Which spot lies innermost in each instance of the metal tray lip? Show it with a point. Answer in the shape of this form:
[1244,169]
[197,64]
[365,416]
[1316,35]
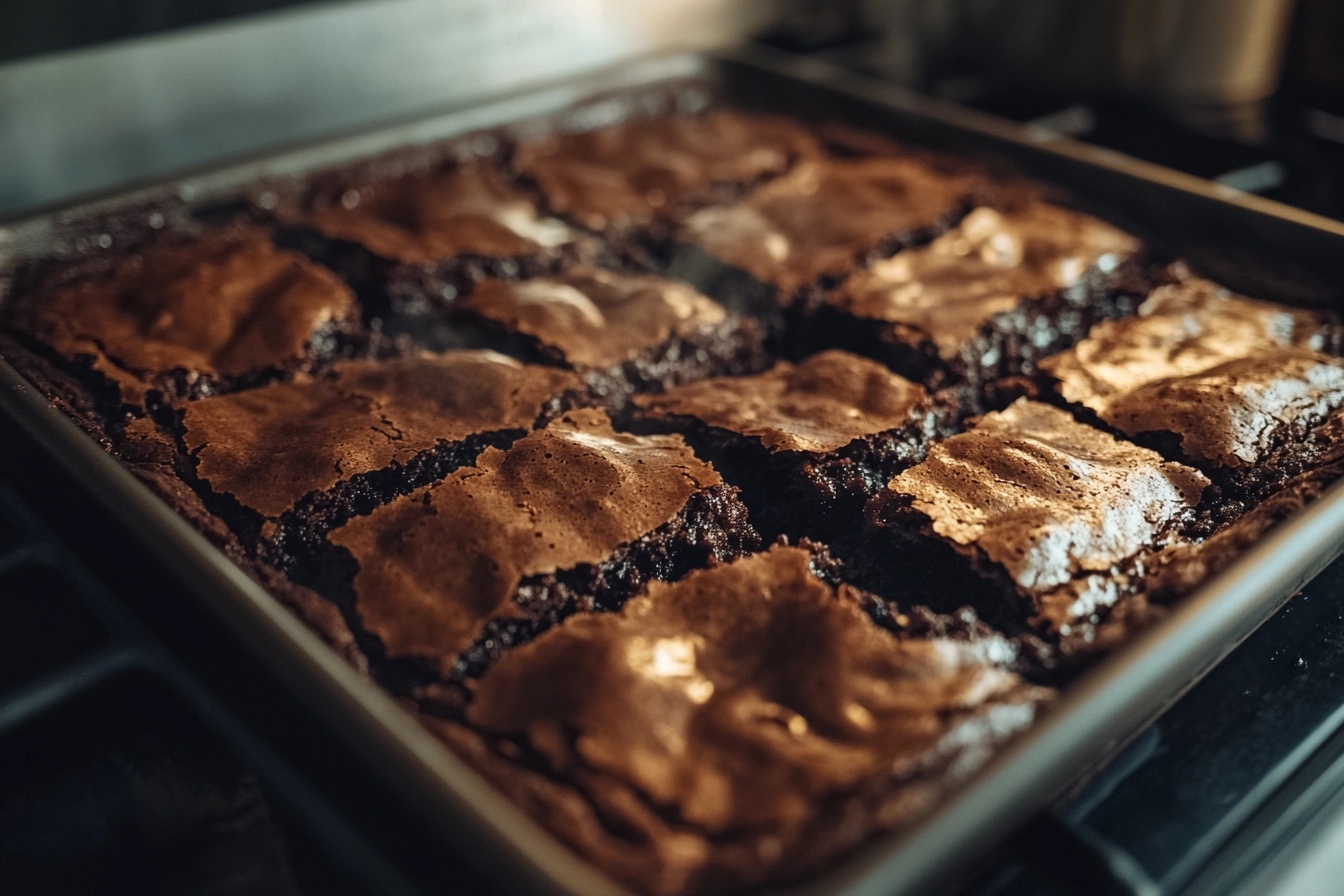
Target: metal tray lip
[1215,617]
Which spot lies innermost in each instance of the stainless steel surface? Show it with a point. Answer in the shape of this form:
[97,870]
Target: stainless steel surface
[91,118]
[1313,866]
[1098,712]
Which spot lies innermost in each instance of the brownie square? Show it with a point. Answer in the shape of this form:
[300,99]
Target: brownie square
[190,318]
[1031,516]
[813,225]
[289,461]
[642,173]
[744,725]
[571,517]
[988,298]
[808,443]
[1234,386]
[415,241]
[621,332]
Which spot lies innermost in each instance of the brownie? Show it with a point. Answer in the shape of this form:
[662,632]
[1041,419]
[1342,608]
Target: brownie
[1033,515]
[743,725]
[1231,385]
[643,172]
[571,517]
[988,298]
[289,461]
[193,318]
[815,224]
[621,332]
[416,241]
[808,443]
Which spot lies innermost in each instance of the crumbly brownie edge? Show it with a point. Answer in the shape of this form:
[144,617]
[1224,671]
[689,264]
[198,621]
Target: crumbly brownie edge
[333,341]
[319,614]
[291,541]
[301,530]
[712,527]
[95,414]
[801,495]
[387,287]
[736,346]
[155,468]
[1164,577]
[1302,455]
[155,464]
[914,571]
[94,245]
[898,557]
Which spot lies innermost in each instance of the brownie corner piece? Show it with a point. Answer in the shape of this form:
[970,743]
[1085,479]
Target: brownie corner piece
[1036,520]
[1238,387]
[575,516]
[988,298]
[808,443]
[667,689]
[622,332]
[194,316]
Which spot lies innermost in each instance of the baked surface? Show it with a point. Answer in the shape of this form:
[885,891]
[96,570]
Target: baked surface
[411,242]
[988,298]
[1048,512]
[193,317]
[621,332]
[706,733]
[809,442]
[512,422]
[1221,380]
[653,170]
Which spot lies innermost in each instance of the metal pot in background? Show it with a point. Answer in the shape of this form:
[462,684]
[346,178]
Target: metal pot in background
[1210,63]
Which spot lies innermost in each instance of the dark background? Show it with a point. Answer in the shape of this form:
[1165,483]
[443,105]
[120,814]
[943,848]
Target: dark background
[34,27]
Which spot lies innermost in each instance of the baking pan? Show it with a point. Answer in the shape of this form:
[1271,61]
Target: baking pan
[1291,255]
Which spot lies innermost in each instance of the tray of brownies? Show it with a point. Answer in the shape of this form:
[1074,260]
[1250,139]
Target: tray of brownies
[709,474]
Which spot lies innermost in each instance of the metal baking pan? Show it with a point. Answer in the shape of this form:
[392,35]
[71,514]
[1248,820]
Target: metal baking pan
[1302,254]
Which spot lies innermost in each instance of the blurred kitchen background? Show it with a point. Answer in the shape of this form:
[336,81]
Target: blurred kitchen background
[1246,92]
